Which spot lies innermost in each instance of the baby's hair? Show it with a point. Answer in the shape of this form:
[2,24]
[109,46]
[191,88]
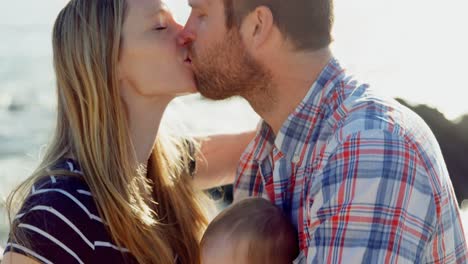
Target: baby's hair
[270,237]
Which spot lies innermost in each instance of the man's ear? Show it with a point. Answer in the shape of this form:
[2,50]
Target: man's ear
[257,27]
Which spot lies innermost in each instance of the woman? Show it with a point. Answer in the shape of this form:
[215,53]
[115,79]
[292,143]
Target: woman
[105,192]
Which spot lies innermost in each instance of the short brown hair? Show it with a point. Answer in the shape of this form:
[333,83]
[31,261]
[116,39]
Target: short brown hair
[270,236]
[307,23]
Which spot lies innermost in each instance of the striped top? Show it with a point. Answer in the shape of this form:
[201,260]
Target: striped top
[362,178]
[62,224]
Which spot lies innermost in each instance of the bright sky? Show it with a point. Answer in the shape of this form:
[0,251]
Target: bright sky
[415,49]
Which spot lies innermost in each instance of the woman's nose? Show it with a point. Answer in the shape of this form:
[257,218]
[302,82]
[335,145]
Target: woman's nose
[178,27]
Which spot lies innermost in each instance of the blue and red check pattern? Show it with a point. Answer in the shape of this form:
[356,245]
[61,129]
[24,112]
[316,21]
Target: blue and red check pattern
[361,177]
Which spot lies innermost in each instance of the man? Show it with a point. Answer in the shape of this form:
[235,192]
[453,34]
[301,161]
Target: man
[361,177]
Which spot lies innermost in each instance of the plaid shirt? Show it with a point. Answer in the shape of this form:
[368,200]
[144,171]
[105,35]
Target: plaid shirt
[361,177]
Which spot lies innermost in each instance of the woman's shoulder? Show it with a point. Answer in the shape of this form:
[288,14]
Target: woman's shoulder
[64,194]
[59,215]
[67,193]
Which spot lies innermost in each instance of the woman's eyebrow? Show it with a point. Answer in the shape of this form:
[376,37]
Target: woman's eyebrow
[159,10]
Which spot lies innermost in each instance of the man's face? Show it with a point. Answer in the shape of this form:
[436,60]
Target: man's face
[223,68]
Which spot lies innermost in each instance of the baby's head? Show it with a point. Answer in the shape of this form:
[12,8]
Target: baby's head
[251,231]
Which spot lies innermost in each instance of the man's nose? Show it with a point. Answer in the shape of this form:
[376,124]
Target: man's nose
[186,37]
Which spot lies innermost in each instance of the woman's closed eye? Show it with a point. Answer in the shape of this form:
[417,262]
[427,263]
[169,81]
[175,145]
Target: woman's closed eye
[161,22]
[160,28]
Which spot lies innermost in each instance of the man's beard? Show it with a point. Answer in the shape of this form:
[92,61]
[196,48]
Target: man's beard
[227,69]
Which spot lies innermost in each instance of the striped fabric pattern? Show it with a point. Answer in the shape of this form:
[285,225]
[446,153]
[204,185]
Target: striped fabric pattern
[361,177]
[62,224]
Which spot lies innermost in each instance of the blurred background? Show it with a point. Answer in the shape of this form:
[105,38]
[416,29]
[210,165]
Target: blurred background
[413,50]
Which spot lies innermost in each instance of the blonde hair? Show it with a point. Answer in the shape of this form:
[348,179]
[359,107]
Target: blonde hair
[156,214]
[269,236]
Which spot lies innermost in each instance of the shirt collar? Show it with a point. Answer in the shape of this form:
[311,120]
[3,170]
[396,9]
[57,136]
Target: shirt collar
[297,129]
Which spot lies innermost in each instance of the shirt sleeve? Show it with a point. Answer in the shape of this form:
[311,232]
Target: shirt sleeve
[371,202]
[52,227]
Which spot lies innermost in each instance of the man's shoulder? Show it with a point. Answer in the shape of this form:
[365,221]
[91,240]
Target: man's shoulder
[362,110]
[356,111]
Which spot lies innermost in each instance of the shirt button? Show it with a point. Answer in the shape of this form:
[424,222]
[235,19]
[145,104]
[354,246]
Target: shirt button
[296,159]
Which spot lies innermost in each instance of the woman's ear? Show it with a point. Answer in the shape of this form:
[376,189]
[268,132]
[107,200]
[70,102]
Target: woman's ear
[257,27]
